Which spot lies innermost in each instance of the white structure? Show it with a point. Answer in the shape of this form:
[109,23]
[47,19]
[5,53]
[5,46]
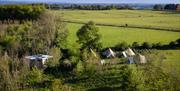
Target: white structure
[109,53]
[102,61]
[38,60]
[124,54]
[131,60]
[129,54]
[142,59]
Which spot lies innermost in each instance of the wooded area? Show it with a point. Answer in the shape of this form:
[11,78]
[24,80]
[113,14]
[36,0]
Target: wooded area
[20,12]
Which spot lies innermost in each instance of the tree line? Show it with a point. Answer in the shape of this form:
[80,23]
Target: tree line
[21,12]
[146,45]
[167,7]
[87,7]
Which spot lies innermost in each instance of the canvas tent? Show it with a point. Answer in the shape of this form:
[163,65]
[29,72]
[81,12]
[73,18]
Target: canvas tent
[124,54]
[128,53]
[142,59]
[38,60]
[109,53]
[131,60]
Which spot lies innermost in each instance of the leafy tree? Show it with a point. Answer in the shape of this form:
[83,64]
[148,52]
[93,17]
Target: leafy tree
[88,36]
[158,7]
[170,7]
[21,12]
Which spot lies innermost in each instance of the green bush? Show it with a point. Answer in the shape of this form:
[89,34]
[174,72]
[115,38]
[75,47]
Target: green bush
[122,46]
[34,76]
[157,45]
[135,45]
[56,53]
[178,41]
[79,68]
[172,44]
[147,45]
[56,85]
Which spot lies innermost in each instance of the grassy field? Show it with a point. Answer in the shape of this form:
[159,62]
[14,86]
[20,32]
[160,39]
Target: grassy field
[171,60]
[146,18]
[114,35]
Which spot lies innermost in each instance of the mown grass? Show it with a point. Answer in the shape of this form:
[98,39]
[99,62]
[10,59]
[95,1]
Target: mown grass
[114,35]
[146,18]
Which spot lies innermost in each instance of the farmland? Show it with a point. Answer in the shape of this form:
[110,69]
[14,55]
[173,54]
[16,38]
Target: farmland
[114,35]
[139,18]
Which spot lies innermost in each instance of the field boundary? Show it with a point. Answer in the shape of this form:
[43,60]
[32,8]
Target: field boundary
[125,26]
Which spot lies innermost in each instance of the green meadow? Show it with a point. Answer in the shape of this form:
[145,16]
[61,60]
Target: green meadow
[114,35]
[140,18]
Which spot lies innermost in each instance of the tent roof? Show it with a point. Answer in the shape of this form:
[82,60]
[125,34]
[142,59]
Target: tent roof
[130,52]
[39,56]
[109,53]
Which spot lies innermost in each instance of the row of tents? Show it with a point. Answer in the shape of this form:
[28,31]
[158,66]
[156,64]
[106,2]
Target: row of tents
[133,58]
[128,54]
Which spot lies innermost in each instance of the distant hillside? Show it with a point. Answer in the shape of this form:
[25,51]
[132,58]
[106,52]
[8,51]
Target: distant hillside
[134,6]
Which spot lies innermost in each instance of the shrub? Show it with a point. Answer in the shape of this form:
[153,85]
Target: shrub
[157,45]
[146,45]
[56,53]
[66,65]
[172,44]
[34,76]
[79,68]
[178,42]
[135,45]
[56,85]
[121,46]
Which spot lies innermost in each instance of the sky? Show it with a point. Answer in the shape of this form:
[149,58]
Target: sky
[106,1]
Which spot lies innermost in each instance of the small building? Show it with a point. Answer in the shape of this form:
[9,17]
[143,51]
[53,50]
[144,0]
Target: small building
[109,53]
[38,61]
